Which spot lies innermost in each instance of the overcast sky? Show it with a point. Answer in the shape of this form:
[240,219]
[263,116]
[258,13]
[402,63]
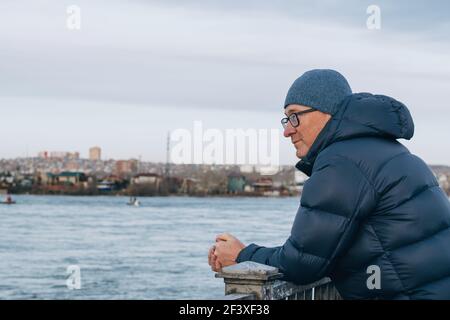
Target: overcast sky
[138,69]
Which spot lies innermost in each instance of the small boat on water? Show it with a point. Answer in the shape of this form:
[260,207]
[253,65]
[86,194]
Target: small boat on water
[134,202]
[8,200]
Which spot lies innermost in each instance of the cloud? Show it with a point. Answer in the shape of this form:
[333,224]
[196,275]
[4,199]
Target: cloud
[155,54]
[220,55]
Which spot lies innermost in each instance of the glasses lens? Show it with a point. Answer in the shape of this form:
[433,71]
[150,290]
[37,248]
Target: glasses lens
[284,122]
[294,120]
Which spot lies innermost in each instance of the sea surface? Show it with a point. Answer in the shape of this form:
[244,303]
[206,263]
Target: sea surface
[155,251]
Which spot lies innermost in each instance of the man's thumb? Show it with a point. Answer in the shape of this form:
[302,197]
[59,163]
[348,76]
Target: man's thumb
[224,237]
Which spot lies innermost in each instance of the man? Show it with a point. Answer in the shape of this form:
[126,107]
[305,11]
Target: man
[369,203]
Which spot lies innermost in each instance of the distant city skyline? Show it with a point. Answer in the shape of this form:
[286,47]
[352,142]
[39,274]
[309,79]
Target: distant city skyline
[149,142]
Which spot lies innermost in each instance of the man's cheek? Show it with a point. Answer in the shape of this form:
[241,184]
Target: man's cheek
[299,133]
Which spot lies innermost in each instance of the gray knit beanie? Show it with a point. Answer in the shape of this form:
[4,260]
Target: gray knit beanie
[320,89]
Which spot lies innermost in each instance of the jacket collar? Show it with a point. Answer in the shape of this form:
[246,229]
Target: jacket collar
[306,163]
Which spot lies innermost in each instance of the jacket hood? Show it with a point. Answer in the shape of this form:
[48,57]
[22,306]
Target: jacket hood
[362,115]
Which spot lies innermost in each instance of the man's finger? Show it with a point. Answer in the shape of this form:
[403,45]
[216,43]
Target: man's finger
[217,265]
[213,265]
[210,253]
[211,256]
[218,249]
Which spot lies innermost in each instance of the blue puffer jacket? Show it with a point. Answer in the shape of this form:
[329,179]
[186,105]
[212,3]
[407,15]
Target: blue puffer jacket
[368,202]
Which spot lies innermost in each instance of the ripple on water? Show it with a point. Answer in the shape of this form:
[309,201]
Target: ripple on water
[156,251]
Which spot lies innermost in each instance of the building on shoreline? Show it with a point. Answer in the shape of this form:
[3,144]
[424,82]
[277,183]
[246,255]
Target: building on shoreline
[95,154]
[90,177]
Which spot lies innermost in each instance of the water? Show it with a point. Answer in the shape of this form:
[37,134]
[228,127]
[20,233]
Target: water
[156,251]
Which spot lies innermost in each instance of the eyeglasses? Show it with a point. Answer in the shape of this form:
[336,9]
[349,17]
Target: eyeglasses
[294,118]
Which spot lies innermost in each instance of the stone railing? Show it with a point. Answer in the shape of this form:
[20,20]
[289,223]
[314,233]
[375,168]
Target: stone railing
[254,281]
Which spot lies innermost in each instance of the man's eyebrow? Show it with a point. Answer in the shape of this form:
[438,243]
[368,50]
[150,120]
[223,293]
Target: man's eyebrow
[288,112]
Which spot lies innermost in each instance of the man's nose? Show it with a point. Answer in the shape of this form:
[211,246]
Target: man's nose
[289,130]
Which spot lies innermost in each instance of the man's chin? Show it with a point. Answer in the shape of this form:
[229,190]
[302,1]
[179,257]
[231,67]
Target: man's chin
[300,154]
